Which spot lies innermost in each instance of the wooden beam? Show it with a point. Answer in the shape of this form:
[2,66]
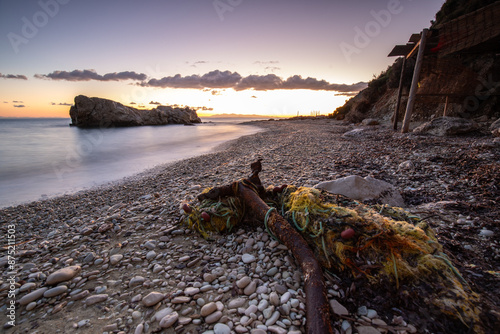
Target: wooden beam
[414,82]
[400,91]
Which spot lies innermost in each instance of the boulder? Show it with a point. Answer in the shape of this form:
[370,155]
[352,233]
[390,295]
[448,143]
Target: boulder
[446,126]
[370,121]
[91,112]
[495,128]
[364,189]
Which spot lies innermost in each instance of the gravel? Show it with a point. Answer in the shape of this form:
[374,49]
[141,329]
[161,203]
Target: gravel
[116,259]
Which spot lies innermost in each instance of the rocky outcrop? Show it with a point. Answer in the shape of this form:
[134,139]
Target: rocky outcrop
[446,126]
[91,112]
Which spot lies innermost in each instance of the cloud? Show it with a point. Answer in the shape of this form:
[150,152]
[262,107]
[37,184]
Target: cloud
[199,62]
[155,102]
[17,102]
[61,104]
[19,106]
[226,79]
[253,97]
[86,75]
[132,103]
[260,82]
[213,79]
[13,76]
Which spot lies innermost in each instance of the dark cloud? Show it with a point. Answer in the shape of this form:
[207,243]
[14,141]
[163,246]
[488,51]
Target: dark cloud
[213,79]
[226,79]
[19,106]
[61,104]
[132,103]
[13,76]
[260,82]
[86,75]
[155,102]
[17,102]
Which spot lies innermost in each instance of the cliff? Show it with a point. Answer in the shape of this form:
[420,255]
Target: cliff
[467,79]
[91,112]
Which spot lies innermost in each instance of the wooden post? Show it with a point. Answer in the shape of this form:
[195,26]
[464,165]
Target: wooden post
[400,91]
[414,82]
[445,107]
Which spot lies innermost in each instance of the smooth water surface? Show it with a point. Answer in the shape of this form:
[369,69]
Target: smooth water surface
[46,157]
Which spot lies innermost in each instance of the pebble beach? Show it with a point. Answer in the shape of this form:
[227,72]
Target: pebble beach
[118,259]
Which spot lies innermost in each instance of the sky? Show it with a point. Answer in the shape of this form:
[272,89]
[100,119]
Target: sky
[267,57]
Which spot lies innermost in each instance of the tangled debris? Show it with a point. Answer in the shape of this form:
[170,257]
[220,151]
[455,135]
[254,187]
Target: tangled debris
[387,246]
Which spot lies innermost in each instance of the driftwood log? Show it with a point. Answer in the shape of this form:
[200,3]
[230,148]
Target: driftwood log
[251,192]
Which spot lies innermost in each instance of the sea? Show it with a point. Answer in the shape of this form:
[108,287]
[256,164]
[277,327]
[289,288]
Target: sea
[45,157]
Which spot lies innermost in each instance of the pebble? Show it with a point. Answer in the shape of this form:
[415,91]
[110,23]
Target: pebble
[243,282]
[272,320]
[91,300]
[221,329]
[338,308]
[55,291]
[486,233]
[62,275]
[32,296]
[161,313]
[208,309]
[191,291]
[181,300]
[247,258]
[250,288]
[115,259]
[152,299]
[214,317]
[274,298]
[168,320]
[135,281]
[235,303]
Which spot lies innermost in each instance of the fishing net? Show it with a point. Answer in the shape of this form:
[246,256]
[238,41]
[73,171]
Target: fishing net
[382,243]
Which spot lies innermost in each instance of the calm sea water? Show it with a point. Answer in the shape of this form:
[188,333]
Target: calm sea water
[45,157]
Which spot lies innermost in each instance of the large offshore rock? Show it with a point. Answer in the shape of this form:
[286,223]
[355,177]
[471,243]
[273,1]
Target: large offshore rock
[446,126]
[91,112]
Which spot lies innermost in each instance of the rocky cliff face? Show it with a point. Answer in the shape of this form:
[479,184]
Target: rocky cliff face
[469,81]
[89,112]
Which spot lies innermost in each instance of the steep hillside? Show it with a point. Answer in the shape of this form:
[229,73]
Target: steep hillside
[470,80]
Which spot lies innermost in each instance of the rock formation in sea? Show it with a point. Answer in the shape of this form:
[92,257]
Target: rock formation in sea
[91,112]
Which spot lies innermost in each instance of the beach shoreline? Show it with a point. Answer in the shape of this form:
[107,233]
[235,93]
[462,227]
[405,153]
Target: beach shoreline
[138,218]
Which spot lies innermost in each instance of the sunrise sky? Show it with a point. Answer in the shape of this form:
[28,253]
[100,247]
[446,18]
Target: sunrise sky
[269,57]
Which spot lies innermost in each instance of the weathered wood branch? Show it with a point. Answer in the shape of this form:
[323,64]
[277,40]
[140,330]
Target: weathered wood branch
[250,191]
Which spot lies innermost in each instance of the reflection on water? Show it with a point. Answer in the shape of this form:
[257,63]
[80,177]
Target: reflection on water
[46,156]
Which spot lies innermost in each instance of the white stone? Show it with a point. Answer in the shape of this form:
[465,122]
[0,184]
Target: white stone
[364,189]
[247,258]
